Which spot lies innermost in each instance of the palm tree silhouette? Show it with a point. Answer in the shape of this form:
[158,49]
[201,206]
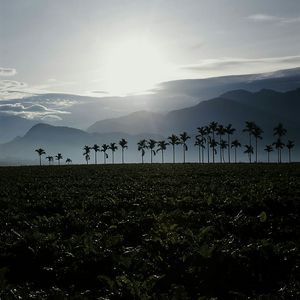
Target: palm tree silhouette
[86,153]
[290,145]
[220,132]
[202,133]
[113,147]
[208,140]
[268,149]
[183,139]
[58,157]
[213,128]
[213,144]
[174,140]
[279,146]
[249,128]
[229,130]
[200,143]
[235,144]
[142,145]
[162,146]
[223,146]
[249,151]
[96,149]
[257,132]
[50,159]
[40,152]
[123,143]
[151,146]
[104,148]
[68,161]
[279,131]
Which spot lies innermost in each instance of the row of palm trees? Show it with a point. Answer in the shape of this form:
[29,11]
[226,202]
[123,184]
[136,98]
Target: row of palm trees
[50,158]
[213,138]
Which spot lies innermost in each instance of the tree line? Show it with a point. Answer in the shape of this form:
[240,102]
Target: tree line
[212,140]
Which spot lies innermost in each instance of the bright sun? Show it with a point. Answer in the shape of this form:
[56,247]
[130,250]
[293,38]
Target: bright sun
[133,66]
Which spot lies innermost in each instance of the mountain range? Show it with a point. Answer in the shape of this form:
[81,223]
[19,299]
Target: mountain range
[266,107]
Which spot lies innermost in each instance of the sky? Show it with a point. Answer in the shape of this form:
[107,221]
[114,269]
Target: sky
[125,47]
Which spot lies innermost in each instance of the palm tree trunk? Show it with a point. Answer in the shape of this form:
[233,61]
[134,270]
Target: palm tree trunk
[151,155]
[183,146]
[202,154]
[104,157]
[142,159]
[199,154]
[268,157]
[173,154]
[95,157]
[162,156]
[256,150]
[207,152]
[290,160]
[113,157]
[229,149]
[213,154]
[235,154]
[122,155]
[220,150]
[40,160]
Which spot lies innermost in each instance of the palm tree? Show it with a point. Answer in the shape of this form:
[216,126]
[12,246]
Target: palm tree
[213,128]
[279,146]
[174,140]
[202,133]
[249,128]
[68,161]
[257,132]
[230,131]
[183,139]
[236,144]
[123,143]
[113,147]
[40,152]
[86,153]
[96,148]
[208,140]
[220,132]
[142,145]
[199,142]
[268,149]
[279,131]
[223,146]
[213,144]
[104,148]
[162,146]
[249,151]
[290,145]
[58,157]
[151,146]
[50,159]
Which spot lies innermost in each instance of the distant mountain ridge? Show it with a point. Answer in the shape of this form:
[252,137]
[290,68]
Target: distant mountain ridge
[266,107]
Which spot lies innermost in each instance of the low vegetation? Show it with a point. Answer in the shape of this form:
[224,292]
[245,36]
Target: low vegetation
[150,232]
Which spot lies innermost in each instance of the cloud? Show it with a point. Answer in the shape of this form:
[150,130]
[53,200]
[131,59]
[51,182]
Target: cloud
[7,71]
[275,19]
[225,66]
[31,111]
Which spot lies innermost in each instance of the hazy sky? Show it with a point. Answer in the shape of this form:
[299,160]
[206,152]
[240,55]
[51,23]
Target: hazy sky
[64,46]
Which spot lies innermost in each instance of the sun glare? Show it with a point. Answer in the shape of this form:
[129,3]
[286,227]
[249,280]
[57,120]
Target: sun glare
[133,66]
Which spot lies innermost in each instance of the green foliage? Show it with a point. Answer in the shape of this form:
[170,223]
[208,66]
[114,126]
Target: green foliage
[150,232]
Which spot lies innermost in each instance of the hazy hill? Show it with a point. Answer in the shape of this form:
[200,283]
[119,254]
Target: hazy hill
[66,140]
[12,126]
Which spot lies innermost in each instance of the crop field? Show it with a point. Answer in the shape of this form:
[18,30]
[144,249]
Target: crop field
[150,232]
